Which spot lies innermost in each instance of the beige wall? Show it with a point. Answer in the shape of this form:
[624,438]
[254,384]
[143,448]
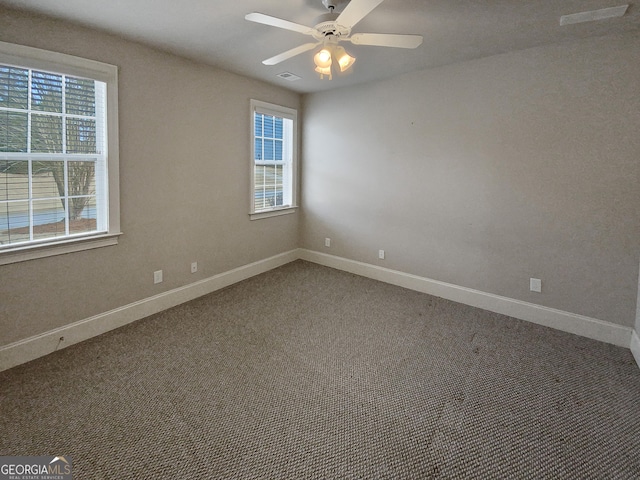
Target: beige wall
[184,168]
[486,173]
[481,174]
[637,326]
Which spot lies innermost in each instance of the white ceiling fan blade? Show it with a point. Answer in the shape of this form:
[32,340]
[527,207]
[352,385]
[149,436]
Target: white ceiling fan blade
[386,40]
[356,11]
[290,53]
[278,22]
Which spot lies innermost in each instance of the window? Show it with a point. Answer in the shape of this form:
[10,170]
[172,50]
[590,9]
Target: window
[273,159]
[58,154]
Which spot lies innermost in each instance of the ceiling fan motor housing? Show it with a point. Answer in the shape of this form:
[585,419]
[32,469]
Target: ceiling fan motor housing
[326,26]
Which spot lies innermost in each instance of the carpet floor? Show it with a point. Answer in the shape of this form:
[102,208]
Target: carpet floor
[306,372]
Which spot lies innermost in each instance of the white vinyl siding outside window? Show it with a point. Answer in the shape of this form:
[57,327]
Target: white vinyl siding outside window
[58,154]
[273,159]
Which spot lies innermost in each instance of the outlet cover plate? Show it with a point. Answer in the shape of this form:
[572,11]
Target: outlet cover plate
[535,285]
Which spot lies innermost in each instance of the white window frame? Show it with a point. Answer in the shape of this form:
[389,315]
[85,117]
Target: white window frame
[28,57]
[291,162]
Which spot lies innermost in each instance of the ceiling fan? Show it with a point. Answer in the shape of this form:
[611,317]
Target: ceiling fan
[332,28]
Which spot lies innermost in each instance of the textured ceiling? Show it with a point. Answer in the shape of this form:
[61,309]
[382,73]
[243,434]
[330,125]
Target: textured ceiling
[216,32]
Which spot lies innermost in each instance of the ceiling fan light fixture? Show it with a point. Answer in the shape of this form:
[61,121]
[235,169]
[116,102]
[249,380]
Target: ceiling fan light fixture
[322,59]
[345,61]
[329,54]
[324,71]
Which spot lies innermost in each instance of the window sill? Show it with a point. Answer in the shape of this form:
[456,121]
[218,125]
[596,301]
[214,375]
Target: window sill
[31,252]
[272,213]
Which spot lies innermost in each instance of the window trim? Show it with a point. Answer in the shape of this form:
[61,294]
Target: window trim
[36,58]
[284,112]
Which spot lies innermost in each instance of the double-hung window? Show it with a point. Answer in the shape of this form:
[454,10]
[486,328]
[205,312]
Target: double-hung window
[58,153]
[273,159]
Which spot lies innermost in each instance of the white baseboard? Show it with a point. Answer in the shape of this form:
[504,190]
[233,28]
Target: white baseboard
[37,346]
[635,346]
[549,317]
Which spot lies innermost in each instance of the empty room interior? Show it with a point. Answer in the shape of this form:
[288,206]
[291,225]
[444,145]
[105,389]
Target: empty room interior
[317,239]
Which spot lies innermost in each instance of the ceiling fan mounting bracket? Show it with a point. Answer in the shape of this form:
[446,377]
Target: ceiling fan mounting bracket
[335,5]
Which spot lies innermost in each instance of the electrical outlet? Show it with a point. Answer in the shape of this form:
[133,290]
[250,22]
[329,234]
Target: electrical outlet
[381,254]
[157,276]
[194,267]
[535,285]
[327,242]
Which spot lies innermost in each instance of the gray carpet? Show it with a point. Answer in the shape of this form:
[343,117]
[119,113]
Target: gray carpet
[309,372]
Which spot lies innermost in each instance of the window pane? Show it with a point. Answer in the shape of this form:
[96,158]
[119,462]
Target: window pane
[82,178]
[278,149]
[14,87]
[258,149]
[46,92]
[81,136]
[268,190]
[13,132]
[258,125]
[48,179]
[86,221]
[48,218]
[14,180]
[261,202]
[80,96]
[46,134]
[81,184]
[268,126]
[268,149]
[278,128]
[14,222]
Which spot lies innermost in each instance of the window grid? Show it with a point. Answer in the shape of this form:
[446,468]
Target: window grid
[269,161]
[93,124]
[272,161]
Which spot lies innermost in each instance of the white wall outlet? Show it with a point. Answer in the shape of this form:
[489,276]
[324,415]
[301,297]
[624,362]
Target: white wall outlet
[157,276]
[535,285]
[194,267]
[381,254]
[327,242]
